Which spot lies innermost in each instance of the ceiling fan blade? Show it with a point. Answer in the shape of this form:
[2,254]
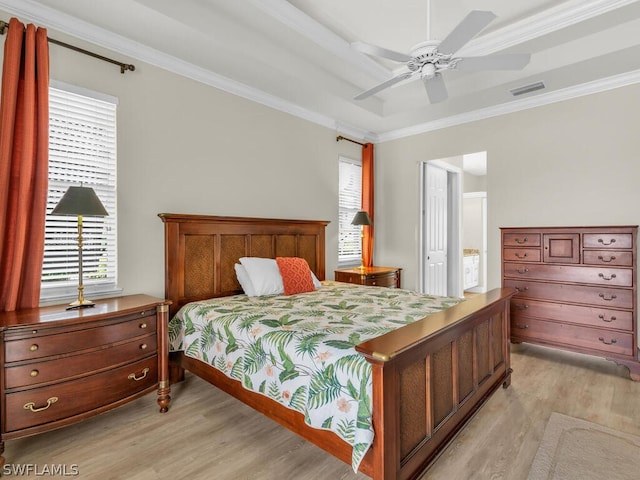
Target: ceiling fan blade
[383,85]
[468,28]
[380,52]
[515,61]
[436,89]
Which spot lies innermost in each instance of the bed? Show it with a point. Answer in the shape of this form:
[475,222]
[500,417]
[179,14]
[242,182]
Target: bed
[428,377]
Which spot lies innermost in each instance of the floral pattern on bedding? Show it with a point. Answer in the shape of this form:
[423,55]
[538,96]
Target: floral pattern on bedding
[299,349]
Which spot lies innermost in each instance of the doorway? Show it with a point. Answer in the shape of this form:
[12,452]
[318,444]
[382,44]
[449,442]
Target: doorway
[440,228]
[449,232]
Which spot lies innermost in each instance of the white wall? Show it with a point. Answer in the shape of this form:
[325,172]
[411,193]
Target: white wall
[184,147]
[572,163]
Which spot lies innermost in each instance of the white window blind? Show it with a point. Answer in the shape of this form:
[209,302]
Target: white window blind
[82,151]
[349,202]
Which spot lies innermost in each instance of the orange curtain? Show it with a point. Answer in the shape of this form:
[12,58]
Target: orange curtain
[24,159]
[367,203]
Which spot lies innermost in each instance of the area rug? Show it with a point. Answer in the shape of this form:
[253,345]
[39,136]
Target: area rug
[573,449]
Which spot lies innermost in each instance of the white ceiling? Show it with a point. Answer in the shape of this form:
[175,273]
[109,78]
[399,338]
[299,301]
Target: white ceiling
[296,55]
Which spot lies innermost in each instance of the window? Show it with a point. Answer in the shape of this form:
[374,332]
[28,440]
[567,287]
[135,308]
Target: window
[349,202]
[82,151]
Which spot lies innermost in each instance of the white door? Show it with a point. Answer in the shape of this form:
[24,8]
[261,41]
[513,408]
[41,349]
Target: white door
[435,230]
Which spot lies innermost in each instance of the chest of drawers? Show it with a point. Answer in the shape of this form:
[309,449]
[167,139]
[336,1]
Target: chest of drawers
[61,366]
[372,276]
[576,289]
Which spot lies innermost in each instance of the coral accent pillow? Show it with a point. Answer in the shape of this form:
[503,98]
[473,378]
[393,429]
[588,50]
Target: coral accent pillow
[296,275]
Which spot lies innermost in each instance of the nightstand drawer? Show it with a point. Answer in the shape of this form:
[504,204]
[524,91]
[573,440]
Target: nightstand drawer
[67,340]
[382,280]
[371,276]
[61,369]
[38,406]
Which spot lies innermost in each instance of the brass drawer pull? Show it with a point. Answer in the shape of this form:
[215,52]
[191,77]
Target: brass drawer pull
[517,254]
[33,347]
[525,240]
[602,317]
[31,405]
[522,289]
[613,340]
[601,275]
[523,271]
[34,373]
[132,376]
[521,307]
[143,325]
[612,297]
[611,242]
[143,346]
[609,260]
[522,327]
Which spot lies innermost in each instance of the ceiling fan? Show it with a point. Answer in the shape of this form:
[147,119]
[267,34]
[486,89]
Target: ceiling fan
[427,60]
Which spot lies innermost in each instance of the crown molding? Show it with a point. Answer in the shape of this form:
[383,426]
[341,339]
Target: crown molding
[589,88]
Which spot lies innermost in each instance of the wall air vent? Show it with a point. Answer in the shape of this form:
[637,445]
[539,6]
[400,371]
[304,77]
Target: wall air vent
[527,88]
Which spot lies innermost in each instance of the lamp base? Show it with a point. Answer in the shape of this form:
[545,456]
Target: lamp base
[84,303]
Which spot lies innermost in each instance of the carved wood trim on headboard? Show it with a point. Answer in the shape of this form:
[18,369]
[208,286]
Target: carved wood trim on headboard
[201,250]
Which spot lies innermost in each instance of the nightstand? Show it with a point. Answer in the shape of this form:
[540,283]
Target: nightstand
[58,366]
[373,276]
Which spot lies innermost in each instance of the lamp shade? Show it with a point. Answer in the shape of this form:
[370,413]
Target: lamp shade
[80,201]
[361,218]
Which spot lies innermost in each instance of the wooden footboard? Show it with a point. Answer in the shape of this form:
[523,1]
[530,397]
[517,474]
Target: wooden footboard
[430,377]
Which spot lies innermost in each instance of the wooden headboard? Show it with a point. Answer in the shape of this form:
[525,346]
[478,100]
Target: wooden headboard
[200,251]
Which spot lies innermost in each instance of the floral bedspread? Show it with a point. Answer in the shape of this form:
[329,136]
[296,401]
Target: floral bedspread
[299,349]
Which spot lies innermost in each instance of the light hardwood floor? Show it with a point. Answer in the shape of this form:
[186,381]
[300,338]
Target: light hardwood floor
[207,434]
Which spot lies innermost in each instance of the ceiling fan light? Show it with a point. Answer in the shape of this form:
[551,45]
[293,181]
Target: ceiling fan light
[428,70]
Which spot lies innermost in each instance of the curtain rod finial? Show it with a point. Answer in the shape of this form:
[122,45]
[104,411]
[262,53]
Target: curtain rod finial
[3,27]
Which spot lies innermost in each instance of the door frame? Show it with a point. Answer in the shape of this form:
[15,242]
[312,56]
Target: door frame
[455,282]
[482,286]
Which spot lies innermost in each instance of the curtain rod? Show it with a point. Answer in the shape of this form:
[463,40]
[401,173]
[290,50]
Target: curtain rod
[340,137]
[123,66]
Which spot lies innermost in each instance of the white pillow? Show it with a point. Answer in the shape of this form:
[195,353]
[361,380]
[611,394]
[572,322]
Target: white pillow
[316,282]
[264,275]
[244,280]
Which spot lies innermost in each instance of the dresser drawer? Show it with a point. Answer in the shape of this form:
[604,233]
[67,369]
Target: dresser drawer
[620,277]
[67,340]
[43,372]
[521,239]
[602,340]
[521,254]
[589,295]
[38,406]
[584,315]
[607,240]
[607,257]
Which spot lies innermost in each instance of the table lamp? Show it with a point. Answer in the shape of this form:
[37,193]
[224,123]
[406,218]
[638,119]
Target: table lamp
[361,218]
[80,201]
